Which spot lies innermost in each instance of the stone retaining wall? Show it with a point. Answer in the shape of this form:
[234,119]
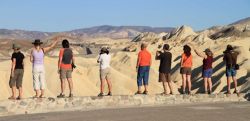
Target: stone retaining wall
[30,106]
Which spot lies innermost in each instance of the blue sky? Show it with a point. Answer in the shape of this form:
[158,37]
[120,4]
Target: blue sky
[63,15]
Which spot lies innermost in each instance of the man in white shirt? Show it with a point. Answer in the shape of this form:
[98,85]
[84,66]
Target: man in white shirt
[104,60]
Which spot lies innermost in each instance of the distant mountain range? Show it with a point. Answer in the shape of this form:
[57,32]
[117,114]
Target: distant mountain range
[115,32]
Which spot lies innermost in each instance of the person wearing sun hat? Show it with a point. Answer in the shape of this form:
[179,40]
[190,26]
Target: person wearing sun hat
[230,58]
[104,60]
[17,70]
[38,70]
[207,69]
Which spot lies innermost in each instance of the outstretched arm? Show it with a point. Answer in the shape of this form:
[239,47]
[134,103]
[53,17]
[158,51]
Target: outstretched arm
[46,49]
[200,54]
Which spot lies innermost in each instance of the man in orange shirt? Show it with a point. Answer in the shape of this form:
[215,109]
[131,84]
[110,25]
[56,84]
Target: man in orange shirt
[143,67]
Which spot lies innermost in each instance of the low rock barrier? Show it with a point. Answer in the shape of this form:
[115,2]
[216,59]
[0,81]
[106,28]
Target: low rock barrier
[45,105]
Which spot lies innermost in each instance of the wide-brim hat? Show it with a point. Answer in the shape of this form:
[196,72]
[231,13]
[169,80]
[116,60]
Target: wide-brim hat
[16,46]
[37,41]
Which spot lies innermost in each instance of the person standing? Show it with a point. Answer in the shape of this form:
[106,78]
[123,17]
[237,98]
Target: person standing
[17,71]
[186,69]
[104,60]
[38,71]
[65,62]
[230,58]
[165,68]
[207,70]
[143,67]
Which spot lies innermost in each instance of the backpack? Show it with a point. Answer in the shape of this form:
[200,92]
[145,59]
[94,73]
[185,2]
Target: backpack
[233,59]
[67,56]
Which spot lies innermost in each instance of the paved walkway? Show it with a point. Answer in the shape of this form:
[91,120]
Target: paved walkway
[239,111]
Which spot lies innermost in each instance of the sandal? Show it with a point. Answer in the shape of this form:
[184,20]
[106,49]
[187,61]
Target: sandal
[70,95]
[18,98]
[36,96]
[109,94]
[41,96]
[100,94]
[164,93]
[183,92]
[145,92]
[61,95]
[138,92]
[12,98]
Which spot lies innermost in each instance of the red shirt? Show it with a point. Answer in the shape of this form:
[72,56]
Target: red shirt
[144,58]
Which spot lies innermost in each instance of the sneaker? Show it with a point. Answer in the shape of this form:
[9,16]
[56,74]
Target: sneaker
[189,93]
[61,95]
[70,95]
[109,94]
[100,94]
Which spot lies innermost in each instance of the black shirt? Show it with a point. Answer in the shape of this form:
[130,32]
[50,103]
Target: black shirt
[165,62]
[19,59]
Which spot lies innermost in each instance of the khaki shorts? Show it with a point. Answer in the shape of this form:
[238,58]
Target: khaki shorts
[17,80]
[164,77]
[105,74]
[186,70]
[65,73]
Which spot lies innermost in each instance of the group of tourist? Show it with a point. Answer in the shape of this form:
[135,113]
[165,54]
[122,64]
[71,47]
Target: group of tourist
[66,64]
[186,64]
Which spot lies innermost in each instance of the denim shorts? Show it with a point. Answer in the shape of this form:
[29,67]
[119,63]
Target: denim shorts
[230,72]
[207,73]
[143,75]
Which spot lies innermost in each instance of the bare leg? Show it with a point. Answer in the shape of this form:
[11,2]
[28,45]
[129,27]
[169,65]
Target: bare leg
[210,84]
[146,88]
[70,85]
[62,86]
[170,87]
[109,85]
[37,93]
[235,83]
[228,84]
[20,92]
[102,86]
[13,90]
[205,84]
[42,93]
[184,82]
[189,82]
[164,87]
[139,88]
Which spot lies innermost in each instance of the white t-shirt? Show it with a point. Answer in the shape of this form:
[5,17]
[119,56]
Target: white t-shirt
[104,60]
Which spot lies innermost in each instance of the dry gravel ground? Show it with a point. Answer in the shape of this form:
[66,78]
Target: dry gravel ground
[188,112]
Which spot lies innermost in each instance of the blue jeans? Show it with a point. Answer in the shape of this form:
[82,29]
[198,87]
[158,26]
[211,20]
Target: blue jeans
[207,73]
[231,72]
[143,74]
